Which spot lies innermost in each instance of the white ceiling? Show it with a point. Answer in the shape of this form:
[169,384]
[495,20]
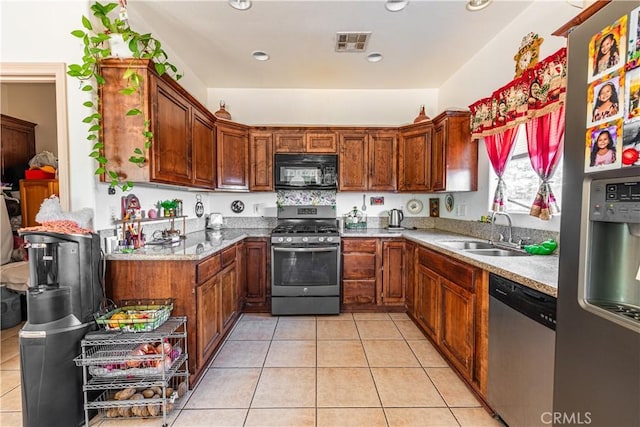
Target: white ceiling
[423,45]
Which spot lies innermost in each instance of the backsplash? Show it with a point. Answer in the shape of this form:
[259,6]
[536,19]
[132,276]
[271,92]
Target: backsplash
[482,230]
[305,197]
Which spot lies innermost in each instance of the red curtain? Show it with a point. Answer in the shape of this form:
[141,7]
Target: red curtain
[499,148]
[545,135]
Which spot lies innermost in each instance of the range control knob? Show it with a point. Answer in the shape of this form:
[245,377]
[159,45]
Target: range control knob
[329,239]
[289,239]
[320,239]
[280,239]
[305,239]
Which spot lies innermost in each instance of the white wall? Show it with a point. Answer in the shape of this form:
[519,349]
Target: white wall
[493,67]
[35,103]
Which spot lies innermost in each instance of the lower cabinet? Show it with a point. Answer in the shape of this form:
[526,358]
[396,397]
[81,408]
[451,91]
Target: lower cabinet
[32,193]
[206,292]
[256,291]
[373,273]
[451,305]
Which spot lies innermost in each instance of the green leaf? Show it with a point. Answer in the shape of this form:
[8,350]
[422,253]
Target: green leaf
[88,104]
[136,160]
[86,23]
[147,145]
[134,112]
[92,137]
[87,88]
[128,91]
[94,128]
[100,80]
[160,68]
[78,33]
[99,171]
[87,119]
[102,160]
[112,174]
[138,151]
[148,134]
[98,146]
[94,154]
[129,184]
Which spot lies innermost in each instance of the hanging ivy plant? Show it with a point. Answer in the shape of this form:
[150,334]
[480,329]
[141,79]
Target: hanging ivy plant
[96,40]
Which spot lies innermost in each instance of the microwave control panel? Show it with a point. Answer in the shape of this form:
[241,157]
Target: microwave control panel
[615,200]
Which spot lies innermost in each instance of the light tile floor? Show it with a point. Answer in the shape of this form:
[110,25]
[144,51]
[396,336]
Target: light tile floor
[361,369]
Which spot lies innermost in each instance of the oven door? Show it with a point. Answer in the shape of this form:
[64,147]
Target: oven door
[305,271]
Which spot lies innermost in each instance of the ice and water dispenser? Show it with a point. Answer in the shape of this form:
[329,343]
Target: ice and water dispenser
[612,246]
[65,291]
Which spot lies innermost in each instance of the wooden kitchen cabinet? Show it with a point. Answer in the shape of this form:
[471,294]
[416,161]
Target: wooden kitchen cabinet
[451,307]
[257,292]
[205,291]
[361,263]
[367,161]
[289,141]
[181,151]
[303,140]
[232,147]
[454,156]
[373,274]
[32,193]
[260,161]
[321,142]
[411,275]
[394,277]
[414,158]
[18,143]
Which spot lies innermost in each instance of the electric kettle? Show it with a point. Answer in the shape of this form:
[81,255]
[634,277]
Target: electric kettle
[395,216]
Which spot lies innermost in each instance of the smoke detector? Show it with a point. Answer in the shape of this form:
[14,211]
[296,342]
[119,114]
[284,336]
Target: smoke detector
[352,41]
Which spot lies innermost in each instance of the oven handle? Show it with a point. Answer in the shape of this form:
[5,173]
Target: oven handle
[326,249]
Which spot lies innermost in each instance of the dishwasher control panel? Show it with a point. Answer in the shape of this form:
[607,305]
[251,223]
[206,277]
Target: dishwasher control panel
[534,304]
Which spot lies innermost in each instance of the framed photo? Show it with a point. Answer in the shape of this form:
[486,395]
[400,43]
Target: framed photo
[434,207]
[631,144]
[605,98]
[633,57]
[632,95]
[607,49]
[602,148]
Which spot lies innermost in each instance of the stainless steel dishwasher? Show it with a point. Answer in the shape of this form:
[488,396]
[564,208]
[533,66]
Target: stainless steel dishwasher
[521,353]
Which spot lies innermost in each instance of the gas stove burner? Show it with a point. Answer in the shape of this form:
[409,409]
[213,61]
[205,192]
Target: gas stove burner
[305,229]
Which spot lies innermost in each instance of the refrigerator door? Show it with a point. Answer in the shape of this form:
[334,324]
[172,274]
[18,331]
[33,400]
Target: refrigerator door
[597,363]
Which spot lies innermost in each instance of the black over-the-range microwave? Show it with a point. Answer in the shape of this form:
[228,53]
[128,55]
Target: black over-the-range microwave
[306,171]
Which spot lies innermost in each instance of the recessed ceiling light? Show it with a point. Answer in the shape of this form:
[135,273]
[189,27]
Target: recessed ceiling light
[240,4]
[396,5]
[374,57]
[475,5]
[260,55]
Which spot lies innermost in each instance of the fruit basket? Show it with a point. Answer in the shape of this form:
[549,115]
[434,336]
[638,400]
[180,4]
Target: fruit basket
[135,315]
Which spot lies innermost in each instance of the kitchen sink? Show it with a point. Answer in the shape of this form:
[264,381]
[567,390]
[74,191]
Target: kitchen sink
[496,252]
[471,244]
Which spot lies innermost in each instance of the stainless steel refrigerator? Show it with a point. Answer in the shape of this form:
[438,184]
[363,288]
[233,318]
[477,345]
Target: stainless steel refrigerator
[597,362]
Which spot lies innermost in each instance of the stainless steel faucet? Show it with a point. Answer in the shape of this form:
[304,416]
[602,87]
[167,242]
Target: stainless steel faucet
[493,222]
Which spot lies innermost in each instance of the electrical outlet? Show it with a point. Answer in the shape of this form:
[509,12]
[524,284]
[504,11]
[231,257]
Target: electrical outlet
[111,191]
[376,201]
[461,209]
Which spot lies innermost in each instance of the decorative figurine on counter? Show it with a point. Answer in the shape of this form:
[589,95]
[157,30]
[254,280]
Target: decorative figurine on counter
[130,207]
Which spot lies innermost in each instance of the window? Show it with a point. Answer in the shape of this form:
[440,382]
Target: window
[521,181]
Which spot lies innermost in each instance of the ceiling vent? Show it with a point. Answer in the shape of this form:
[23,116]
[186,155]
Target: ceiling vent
[352,41]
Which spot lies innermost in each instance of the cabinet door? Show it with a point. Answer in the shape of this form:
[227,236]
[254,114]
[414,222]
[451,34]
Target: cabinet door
[232,147]
[438,165]
[228,281]
[261,161]
[382,161]
[289,142]
[427,302]
[32,194]
[393,273]
[411,276]
[321,142]
[360,270]
[171,146]
[414,160]
[256,280]
[353,162]
[18,143]
[204,150]
[457,329]
[208,322]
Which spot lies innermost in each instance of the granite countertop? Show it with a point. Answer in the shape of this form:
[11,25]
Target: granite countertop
[538,272]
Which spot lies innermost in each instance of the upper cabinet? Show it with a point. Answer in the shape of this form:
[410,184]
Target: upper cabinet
[300,140]
[367,160]
[232,141]
[454,156]
[414,157]
[182,150]
[260,160]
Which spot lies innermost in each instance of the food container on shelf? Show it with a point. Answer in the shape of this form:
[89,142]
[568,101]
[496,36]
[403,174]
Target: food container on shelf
[143,315]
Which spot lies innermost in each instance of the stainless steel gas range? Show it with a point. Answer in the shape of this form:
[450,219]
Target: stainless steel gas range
[305,255]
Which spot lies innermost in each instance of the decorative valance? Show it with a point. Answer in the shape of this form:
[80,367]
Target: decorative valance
[539,91]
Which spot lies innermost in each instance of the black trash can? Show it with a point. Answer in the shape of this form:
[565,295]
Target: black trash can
[11,308]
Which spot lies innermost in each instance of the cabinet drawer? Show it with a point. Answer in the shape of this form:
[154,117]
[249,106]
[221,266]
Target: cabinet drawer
[358,266]
[228,256]
[359,245]
[207,268]
[459,273]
